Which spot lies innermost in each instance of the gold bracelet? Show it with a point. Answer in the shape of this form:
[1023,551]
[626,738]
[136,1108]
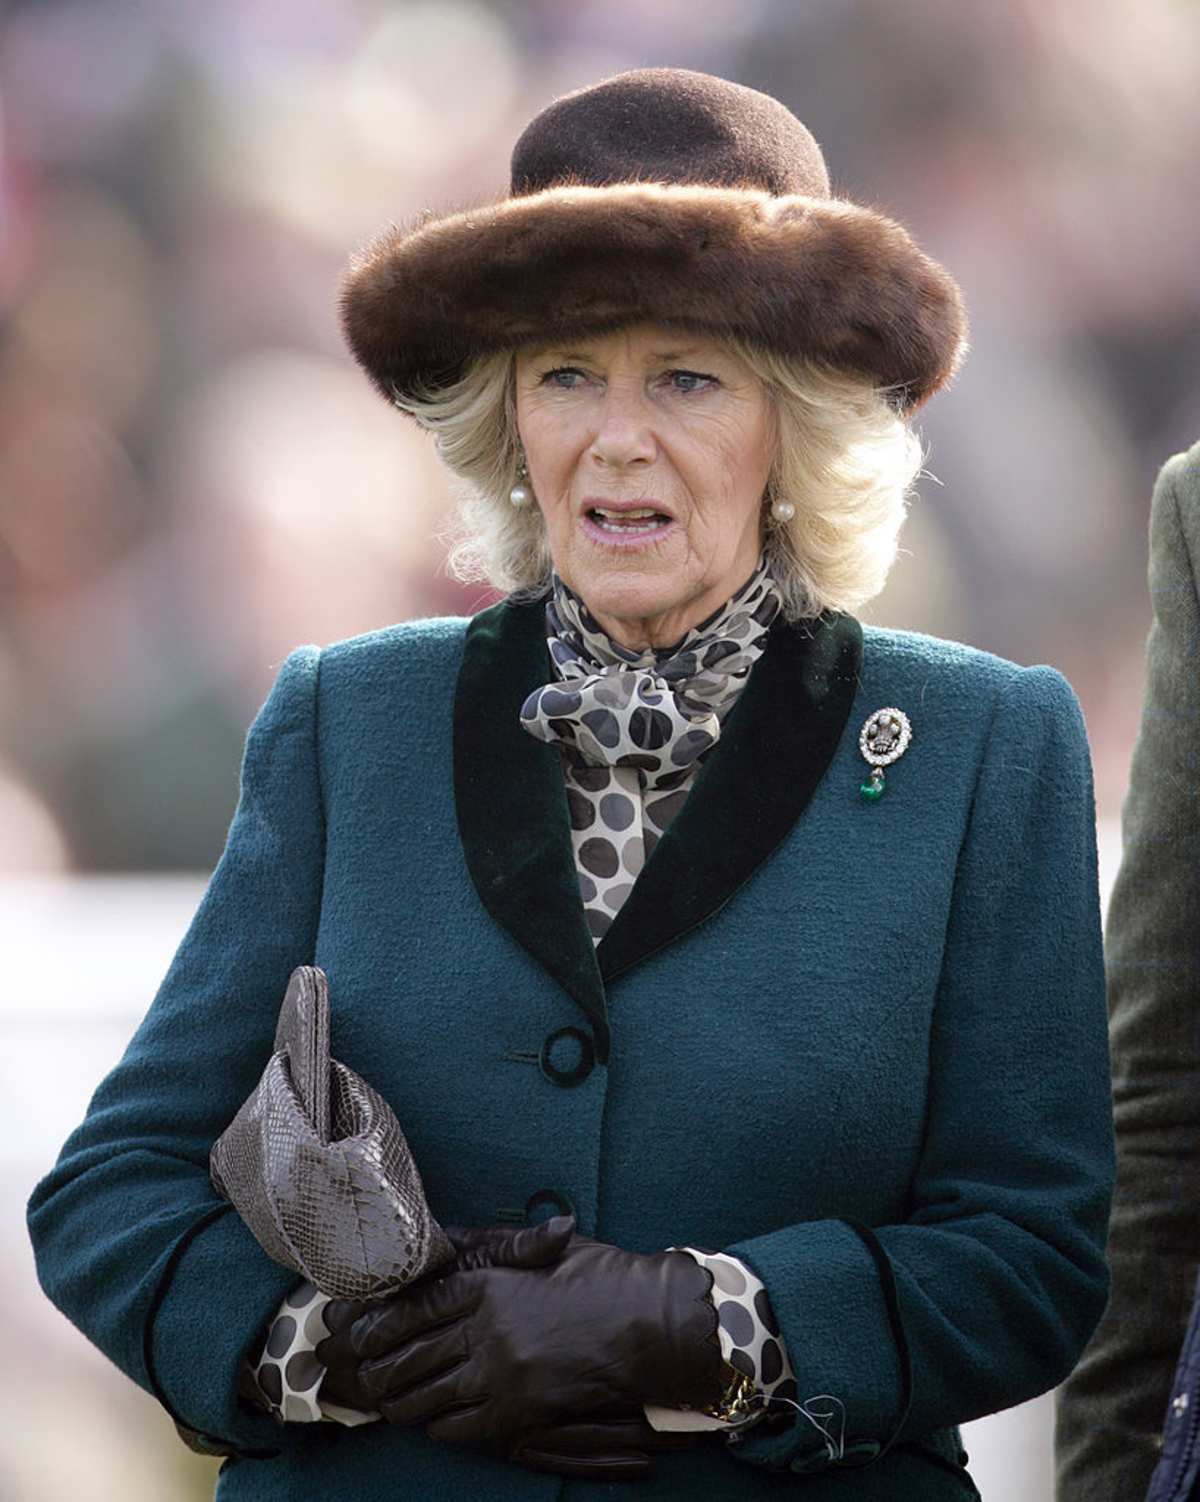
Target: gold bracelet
[736,1402]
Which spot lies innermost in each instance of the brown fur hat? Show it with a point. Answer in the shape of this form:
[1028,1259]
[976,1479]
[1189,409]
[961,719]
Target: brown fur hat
[660,196]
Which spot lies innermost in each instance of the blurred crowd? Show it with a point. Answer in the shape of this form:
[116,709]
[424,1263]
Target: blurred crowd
[194,477]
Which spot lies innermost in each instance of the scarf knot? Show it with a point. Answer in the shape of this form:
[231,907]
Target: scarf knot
[656,710]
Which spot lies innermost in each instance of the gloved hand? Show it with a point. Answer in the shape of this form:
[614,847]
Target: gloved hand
[600,1447]
[489,1246]
[491,1352]
[614,1447]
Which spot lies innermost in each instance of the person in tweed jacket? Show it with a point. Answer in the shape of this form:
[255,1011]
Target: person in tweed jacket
[1112,1411]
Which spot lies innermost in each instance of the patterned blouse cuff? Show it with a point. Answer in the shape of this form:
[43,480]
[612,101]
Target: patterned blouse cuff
[750,1342]
[288,1372]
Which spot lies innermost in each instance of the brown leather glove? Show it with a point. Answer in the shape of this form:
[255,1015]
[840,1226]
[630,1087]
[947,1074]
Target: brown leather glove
[492,1352]
[601,1447]
[619,1447]
[485,1246]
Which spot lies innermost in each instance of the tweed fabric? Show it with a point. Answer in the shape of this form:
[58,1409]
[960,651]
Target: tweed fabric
[1111,1411]
[932,1065]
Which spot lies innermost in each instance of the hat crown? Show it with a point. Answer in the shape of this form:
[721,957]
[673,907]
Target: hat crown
[668,125]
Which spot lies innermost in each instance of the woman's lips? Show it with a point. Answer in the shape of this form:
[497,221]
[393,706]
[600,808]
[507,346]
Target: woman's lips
[626,526]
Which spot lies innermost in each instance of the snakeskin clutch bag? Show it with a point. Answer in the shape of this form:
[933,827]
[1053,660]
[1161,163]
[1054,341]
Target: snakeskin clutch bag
[316,1165]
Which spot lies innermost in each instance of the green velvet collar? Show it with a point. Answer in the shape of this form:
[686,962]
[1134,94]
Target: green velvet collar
[512,810]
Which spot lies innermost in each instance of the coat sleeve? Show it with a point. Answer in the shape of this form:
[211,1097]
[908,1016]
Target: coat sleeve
[985,1293]
[131,1241]
[1111,1412]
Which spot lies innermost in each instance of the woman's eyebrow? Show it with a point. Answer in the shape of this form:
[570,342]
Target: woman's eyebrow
[552,352]
[655,357]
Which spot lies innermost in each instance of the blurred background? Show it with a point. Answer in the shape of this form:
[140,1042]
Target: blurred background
[194,477]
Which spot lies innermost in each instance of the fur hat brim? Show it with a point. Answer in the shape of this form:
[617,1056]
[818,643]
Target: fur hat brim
[819,278]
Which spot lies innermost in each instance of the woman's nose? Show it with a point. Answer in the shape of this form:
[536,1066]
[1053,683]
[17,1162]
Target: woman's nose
[624,434]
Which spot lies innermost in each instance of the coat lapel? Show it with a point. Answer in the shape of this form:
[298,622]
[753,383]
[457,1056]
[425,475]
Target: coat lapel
[512,811]
[512,805]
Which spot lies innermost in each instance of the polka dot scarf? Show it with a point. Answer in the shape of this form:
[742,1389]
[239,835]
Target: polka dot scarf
[633,728]
[656,711]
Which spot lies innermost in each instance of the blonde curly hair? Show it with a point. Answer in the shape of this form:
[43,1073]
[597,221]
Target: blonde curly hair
[845,459]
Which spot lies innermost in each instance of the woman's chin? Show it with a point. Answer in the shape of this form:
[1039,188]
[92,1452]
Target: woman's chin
[639,576]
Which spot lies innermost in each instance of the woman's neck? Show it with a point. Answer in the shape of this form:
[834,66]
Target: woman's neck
[651,633]
[656,633]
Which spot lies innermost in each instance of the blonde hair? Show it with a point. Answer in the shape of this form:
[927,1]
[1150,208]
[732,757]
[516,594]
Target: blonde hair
[845,459]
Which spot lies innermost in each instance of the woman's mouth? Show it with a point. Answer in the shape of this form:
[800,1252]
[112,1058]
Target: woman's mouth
[627,525]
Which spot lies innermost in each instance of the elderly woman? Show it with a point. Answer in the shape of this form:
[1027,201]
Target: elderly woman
[746,956]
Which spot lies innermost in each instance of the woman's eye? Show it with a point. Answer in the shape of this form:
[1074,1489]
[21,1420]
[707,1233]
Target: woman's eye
[689,380]
[565,377]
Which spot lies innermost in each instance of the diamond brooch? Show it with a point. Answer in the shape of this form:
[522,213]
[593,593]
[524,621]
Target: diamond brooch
[883,739]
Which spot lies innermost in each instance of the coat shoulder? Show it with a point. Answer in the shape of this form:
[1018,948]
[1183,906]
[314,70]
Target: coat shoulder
[960,678]
[935,660]
[422,648]
[1175,510]
[1182,472]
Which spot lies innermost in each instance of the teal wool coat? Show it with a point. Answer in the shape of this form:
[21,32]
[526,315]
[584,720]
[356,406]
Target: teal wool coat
[860,1045]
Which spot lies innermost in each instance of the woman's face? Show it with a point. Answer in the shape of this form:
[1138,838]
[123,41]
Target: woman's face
[648,453]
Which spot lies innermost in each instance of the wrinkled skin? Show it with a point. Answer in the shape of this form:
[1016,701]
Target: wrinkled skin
[654,417]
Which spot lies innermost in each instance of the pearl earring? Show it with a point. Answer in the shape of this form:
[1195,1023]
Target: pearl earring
[521,495]
[782,511]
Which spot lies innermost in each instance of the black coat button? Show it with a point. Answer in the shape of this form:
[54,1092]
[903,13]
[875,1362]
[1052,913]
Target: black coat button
[545,1204]
[567,1056]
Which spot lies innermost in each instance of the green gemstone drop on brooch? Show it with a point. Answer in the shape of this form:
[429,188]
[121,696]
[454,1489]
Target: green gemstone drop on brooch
[875,786]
